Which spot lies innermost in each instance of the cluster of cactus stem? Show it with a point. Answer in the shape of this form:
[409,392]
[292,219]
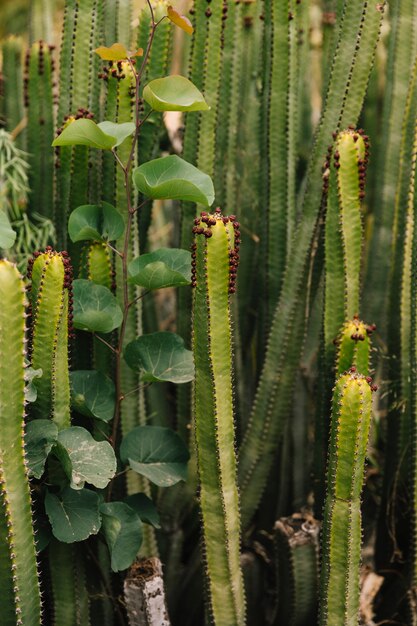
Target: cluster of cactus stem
[313,266]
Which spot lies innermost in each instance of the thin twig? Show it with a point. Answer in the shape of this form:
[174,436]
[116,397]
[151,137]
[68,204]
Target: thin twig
[106,343]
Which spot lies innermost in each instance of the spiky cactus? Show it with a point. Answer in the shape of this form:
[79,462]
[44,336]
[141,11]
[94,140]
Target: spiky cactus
[341,540]
[20,601]
[12,105]
[39,67]
[296,541]
[50,297]
[216,254]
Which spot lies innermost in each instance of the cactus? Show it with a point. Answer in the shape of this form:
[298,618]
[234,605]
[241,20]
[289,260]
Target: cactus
[39,67]
[50,297]
[341,540]
[345,95]
[82,33]
[20,601]
[398,458]
[117,22]
[296,542]
[403,48]
[215,254]
[13,112]
[41,21]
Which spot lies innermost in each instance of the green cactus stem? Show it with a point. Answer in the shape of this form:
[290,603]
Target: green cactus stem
[118,22]
[341,538]
[13,112]
[398,459]
[215,257]
[79,66]
[20,601]
[296,541]
[38,80]
[50,298]
[402,52]
[41,21]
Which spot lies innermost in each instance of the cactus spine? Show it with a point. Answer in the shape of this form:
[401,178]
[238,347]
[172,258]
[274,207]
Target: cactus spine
[20,601]
[51,303]
[39,68]
[296,542]
[215,254]
[341,541]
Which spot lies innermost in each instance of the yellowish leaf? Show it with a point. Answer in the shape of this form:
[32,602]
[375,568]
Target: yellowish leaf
[116,52]
[180,20]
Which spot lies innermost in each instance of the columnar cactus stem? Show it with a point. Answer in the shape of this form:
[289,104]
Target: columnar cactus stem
[20,604]
[51,300]
[117,22]
[38,80]
[399,68]
[296,542]
[341,540]
[12,87]
[215,253]
[82,32]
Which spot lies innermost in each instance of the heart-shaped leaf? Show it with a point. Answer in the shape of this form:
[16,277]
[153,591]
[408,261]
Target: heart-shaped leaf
[84,132]
[93,394]
[95,307]
[91,461]
[145,508]
[173,178]
[119,131]
[40,437]
[180,20]
[161,357]
[174,93]
[97,222]
[117,52]
[166,267]
[74,515]
[7,234]
[157,453]
[122,528]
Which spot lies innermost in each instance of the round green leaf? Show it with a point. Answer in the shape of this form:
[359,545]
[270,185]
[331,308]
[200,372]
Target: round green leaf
[92,394]
[95,222]
[145,508]
[7,234]
[74,515]
[162,357]
[119,131]
[95,307]
[122,530]
[173,178]
[157,453]
[40,437]
[174,93]
[166,267]
[84,132]
[91,461]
